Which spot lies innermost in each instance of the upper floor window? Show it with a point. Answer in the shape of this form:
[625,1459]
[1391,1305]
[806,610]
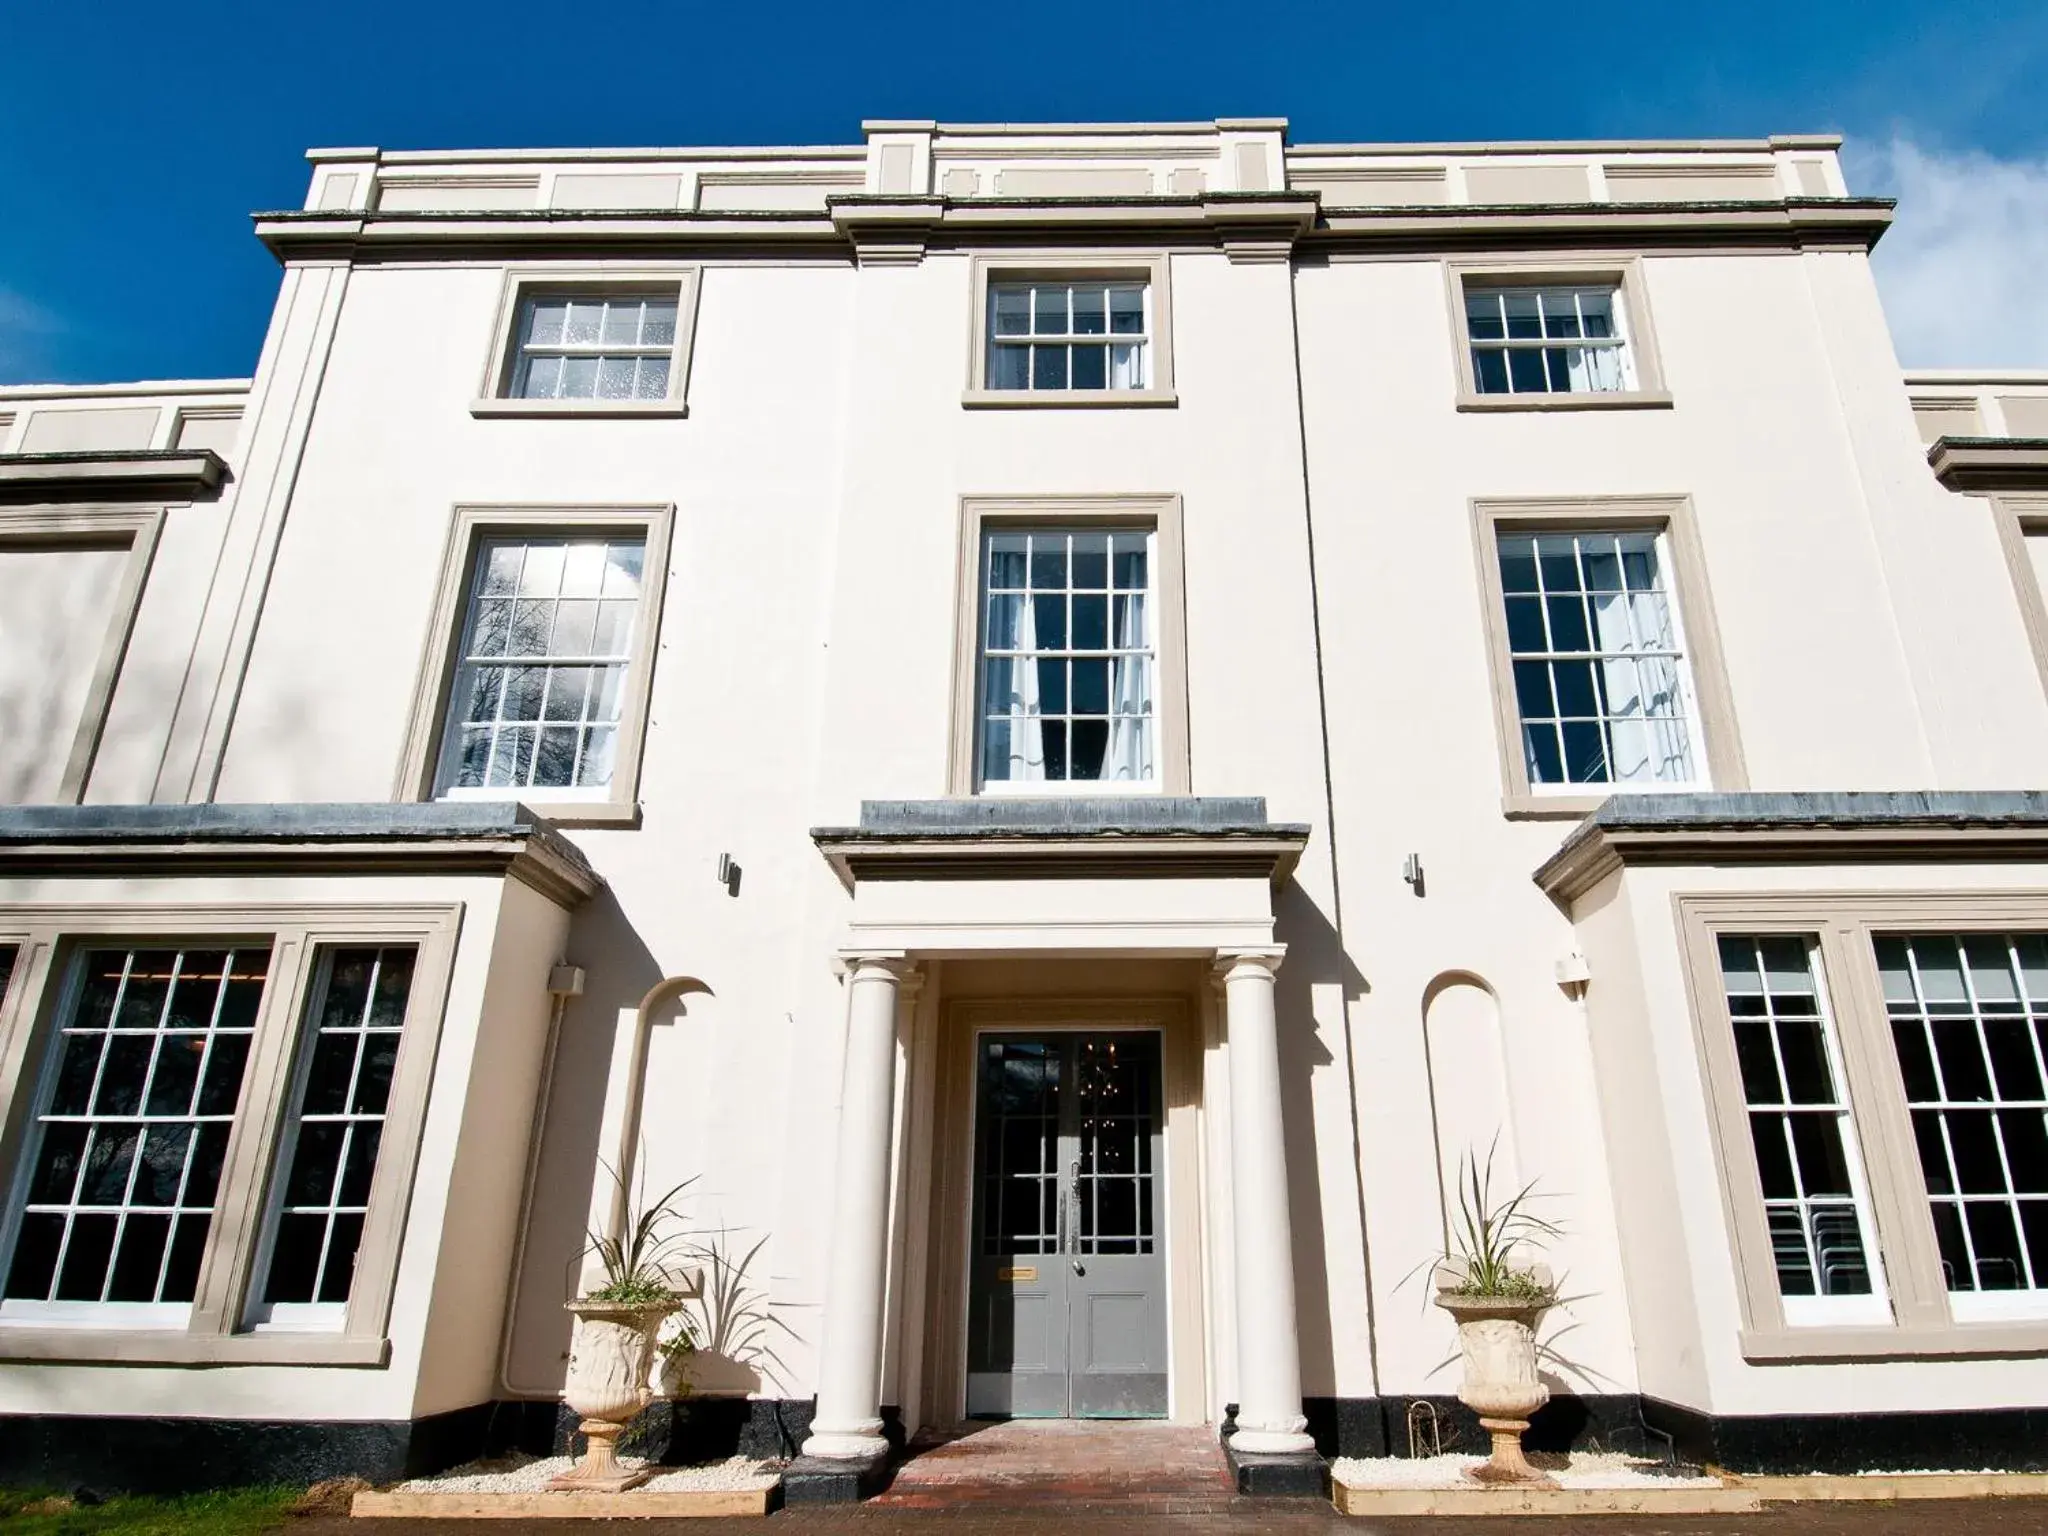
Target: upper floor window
[1081,335]
[594,346]
[1562,340]
[1070,329]
[1599,665]
[547,639]
[1068,657]
[596,341]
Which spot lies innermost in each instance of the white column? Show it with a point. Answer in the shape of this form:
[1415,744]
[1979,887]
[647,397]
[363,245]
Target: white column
[1269,1416]
[848,1423]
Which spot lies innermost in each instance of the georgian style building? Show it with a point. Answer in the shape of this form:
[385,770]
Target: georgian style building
[1066,721]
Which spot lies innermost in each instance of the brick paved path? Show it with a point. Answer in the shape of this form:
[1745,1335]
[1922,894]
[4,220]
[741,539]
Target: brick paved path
[1040,1463]
[1248,1517]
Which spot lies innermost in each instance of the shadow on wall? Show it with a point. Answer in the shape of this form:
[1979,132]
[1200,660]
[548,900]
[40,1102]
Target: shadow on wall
[619,971]
[1468,1084]
[1315,959]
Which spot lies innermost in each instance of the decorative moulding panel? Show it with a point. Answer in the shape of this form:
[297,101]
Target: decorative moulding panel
[1074,181]
[1947,418]
[787,191]
[1379,188]
[622,190]
[1691,183]
[88,430]
[2025,415]
[1493,184]
[416,194]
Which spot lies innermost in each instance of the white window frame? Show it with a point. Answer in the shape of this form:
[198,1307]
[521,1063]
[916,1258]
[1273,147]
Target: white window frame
[1151,270]
[1715,741]
[468,666]
[1620,271]
[1680,657]
[325,1316]
[1819,1310]
[522,285]
[212,1329]
[1161,515]
[419,769]
[1070,786]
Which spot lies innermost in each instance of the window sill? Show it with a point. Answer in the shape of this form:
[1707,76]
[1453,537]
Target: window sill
[1617,400]
[87,1346]
[1064,399]
[1550,807]
[1962,1341]
[587,813]
[574,408]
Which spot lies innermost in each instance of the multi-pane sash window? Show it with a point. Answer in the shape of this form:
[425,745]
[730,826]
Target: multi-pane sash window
[1599,665]
[1547,340]
[546,641]
[124,1160]
[1082,335]
[1069,655]
[1816,1205]
[593,347]
[1969,1020]
[328,1154]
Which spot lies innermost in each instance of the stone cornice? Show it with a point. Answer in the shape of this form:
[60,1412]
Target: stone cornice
[493,837]
[181,473]
[1081,839]
[1796,828]
[881,228]
[1990,463]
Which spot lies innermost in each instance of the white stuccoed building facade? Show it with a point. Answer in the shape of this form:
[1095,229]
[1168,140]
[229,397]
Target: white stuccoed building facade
[1064,720]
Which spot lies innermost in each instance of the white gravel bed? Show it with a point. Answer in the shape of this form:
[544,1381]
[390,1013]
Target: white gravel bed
[1588,1469]
[527,1474]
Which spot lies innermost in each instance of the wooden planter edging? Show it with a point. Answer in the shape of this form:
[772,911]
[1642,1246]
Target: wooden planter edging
[1546,1501]
[637,1504]
[1736,1495]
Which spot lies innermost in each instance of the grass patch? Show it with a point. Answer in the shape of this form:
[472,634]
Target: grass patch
[231,1512]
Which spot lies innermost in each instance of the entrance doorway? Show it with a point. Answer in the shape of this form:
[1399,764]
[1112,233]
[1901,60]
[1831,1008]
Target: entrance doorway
[1067,1272]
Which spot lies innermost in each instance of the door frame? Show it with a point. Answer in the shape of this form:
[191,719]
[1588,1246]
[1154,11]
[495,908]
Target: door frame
[951,1214]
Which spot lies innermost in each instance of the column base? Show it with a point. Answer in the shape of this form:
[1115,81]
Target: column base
[1291,1474]
[857,1441]
[814,1479]
[1273,1442]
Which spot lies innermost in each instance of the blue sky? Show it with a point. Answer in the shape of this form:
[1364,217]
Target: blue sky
[135,138]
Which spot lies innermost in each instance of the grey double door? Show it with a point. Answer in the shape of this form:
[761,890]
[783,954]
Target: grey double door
[1067,1286]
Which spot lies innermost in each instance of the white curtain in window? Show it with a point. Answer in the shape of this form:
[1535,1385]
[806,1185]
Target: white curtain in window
[1595,368]
[1129,758]
[1649,737]
[1027,736]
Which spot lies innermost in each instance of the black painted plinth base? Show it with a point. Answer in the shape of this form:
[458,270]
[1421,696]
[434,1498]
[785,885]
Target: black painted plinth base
[1263,1476]
[819,1480]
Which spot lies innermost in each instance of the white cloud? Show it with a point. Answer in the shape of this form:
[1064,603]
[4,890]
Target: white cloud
[25,327]
[1964,270]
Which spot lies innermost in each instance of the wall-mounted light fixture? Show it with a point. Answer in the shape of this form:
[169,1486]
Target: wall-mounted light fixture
[729,874]
[1574,975]
[1411,871]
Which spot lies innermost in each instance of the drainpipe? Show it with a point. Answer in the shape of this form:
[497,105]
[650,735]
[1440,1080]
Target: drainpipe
[564,982]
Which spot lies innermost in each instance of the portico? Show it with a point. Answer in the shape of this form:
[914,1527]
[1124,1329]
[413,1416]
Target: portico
[1037,939]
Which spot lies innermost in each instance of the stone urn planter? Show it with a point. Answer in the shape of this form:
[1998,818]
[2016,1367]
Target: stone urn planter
[1497,1340]
[611,1361]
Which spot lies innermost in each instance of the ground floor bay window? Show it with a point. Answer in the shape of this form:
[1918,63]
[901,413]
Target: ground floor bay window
[210,1124]
[1879,1072]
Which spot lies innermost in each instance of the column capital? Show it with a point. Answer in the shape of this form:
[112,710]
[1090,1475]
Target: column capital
[853,964]
[1264,959]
